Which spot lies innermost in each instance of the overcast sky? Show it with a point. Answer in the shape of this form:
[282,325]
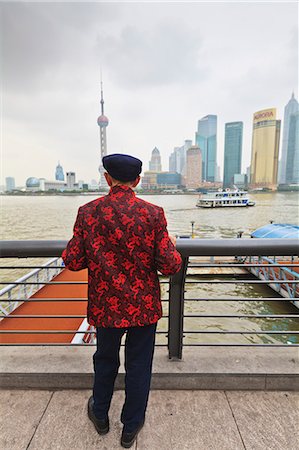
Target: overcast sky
[164,65]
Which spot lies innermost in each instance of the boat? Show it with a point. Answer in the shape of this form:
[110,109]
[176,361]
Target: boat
[224,198]
[277,269]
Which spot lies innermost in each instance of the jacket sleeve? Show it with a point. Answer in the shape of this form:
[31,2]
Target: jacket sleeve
[74,255]
[168,260]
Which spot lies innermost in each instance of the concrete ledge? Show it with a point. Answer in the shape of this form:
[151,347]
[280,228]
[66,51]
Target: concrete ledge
[208,368]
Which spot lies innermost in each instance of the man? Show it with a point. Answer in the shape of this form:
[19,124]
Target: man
[123,241]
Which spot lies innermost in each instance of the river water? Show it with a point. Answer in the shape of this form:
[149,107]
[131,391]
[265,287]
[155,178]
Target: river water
[52,217]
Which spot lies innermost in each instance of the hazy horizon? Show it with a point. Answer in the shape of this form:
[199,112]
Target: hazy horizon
[164,66]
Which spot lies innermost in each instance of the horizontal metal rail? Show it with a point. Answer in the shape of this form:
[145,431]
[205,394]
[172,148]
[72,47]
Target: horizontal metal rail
[53,283]
[239,332]
[166,300]
[204,265]
[187,247]
[59,344]
[231,344]
[39,316]
[242,299]
[239,316]
[55,332]
[242,281]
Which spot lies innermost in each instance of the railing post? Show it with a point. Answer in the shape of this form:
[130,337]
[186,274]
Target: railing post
[176,312]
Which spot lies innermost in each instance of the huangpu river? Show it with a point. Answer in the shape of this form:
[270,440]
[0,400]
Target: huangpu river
[52,217]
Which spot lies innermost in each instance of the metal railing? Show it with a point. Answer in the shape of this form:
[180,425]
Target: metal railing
[236,253]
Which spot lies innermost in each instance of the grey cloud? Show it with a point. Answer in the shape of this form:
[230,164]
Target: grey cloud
[39,40]
[169,52]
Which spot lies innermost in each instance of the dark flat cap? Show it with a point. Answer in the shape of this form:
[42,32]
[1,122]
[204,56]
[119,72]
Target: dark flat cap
[122,167]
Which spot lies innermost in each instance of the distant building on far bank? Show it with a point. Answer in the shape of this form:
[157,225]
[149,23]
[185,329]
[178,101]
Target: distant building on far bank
[292,162]
[149,180]
[34,184]
[232,152]
[177,159]
[59,175]
[10,184]
[264,152]
[240,180]
[193,168]
[155,162]
[206,139]
[160,180]
[291,108]
[71,180]
[168,180]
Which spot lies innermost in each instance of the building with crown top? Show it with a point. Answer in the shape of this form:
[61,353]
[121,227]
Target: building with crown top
[155,162]
[264,152]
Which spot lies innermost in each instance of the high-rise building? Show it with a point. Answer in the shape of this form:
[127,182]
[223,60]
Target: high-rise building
[291,108]
[103,124]
[70,180]
[193,168]
[59,175]
[10,184]
[177,159]
[155,162]
[206,139]
[232,152]
[264,151]
[292,163]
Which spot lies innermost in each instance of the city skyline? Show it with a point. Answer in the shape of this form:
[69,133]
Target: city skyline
[52,74]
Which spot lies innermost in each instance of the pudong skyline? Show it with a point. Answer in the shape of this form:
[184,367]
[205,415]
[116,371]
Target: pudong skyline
[51,94]
[154,164]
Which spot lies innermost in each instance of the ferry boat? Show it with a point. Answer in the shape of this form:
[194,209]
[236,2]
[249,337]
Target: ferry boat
[224,198]
[274,268]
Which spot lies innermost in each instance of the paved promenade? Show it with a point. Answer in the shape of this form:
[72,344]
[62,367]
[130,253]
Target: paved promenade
[176,420]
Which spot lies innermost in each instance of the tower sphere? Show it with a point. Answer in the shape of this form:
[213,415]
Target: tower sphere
[103,121]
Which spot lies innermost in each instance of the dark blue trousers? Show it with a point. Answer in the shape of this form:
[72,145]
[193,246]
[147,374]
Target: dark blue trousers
[139,350]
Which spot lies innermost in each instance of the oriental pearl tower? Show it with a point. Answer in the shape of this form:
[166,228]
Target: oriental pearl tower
[103,123]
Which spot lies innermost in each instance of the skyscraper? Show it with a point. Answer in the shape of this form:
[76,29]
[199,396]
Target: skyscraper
[264,152]
[103,124]
[206,139]
[193,167]
[232,152]
[71,180]
[291,108]
[155,162]
[292,163]
[177,159]
[10,184]
[59,175]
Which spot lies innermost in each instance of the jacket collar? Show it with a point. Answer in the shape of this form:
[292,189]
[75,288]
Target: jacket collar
[121,190]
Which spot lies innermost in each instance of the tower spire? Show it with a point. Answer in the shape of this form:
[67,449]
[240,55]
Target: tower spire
[102,97]
[102,123]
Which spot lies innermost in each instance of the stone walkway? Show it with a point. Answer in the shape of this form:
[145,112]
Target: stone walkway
[176,420]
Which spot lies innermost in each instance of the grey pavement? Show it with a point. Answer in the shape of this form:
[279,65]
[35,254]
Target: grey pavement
[176,420]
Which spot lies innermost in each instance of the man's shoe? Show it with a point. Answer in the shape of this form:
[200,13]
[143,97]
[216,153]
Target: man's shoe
[128,439]
[102,426]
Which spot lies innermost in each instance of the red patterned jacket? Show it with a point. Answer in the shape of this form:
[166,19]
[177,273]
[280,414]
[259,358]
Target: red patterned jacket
[123,241]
